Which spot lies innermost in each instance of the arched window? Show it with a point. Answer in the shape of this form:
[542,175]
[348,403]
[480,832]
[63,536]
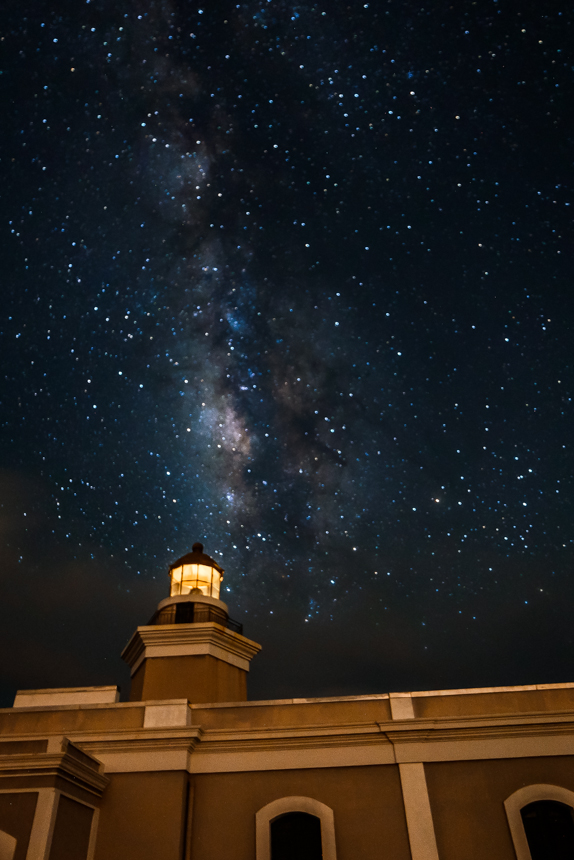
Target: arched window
[541,821]
[7,846]
[296,836]
[295,827]
[549,829]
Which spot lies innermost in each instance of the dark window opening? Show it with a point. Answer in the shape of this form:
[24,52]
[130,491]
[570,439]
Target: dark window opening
[549,828]
[296,836]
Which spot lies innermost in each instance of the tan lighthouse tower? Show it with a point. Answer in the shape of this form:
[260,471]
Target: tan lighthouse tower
[191,649]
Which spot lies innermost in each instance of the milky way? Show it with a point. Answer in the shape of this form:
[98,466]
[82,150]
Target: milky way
[294,280]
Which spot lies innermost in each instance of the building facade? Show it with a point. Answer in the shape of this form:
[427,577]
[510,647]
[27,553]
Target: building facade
[190,769]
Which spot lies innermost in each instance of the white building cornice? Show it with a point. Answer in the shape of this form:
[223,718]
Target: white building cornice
[185,640]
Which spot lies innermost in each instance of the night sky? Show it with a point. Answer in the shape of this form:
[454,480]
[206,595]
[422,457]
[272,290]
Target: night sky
[293,279]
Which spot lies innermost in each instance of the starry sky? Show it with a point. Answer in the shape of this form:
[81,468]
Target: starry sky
[293,279]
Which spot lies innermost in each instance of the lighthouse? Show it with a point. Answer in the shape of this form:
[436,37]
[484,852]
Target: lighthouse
[191,649]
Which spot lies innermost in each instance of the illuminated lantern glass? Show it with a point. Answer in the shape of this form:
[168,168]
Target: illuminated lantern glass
[196,570]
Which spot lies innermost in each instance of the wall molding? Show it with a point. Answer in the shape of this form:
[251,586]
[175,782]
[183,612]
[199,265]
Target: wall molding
[43,824]
[74,768]
[418,812]
[189,640]
[289,748]
[401,706]
[162,748]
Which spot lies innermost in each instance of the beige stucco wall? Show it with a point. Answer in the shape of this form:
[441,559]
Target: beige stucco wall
[71,719]
[199,678]
[467,801]
[143,813]
[367,804]
[277,715]
[496,702]
[141,817]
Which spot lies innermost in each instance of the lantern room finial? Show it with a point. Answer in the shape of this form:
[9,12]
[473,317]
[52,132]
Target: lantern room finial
[196,570]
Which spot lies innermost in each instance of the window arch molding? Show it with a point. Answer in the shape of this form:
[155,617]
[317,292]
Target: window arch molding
[273,810]
[521,798]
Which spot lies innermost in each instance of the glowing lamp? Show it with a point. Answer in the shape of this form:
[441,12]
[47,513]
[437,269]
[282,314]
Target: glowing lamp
[196,570]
